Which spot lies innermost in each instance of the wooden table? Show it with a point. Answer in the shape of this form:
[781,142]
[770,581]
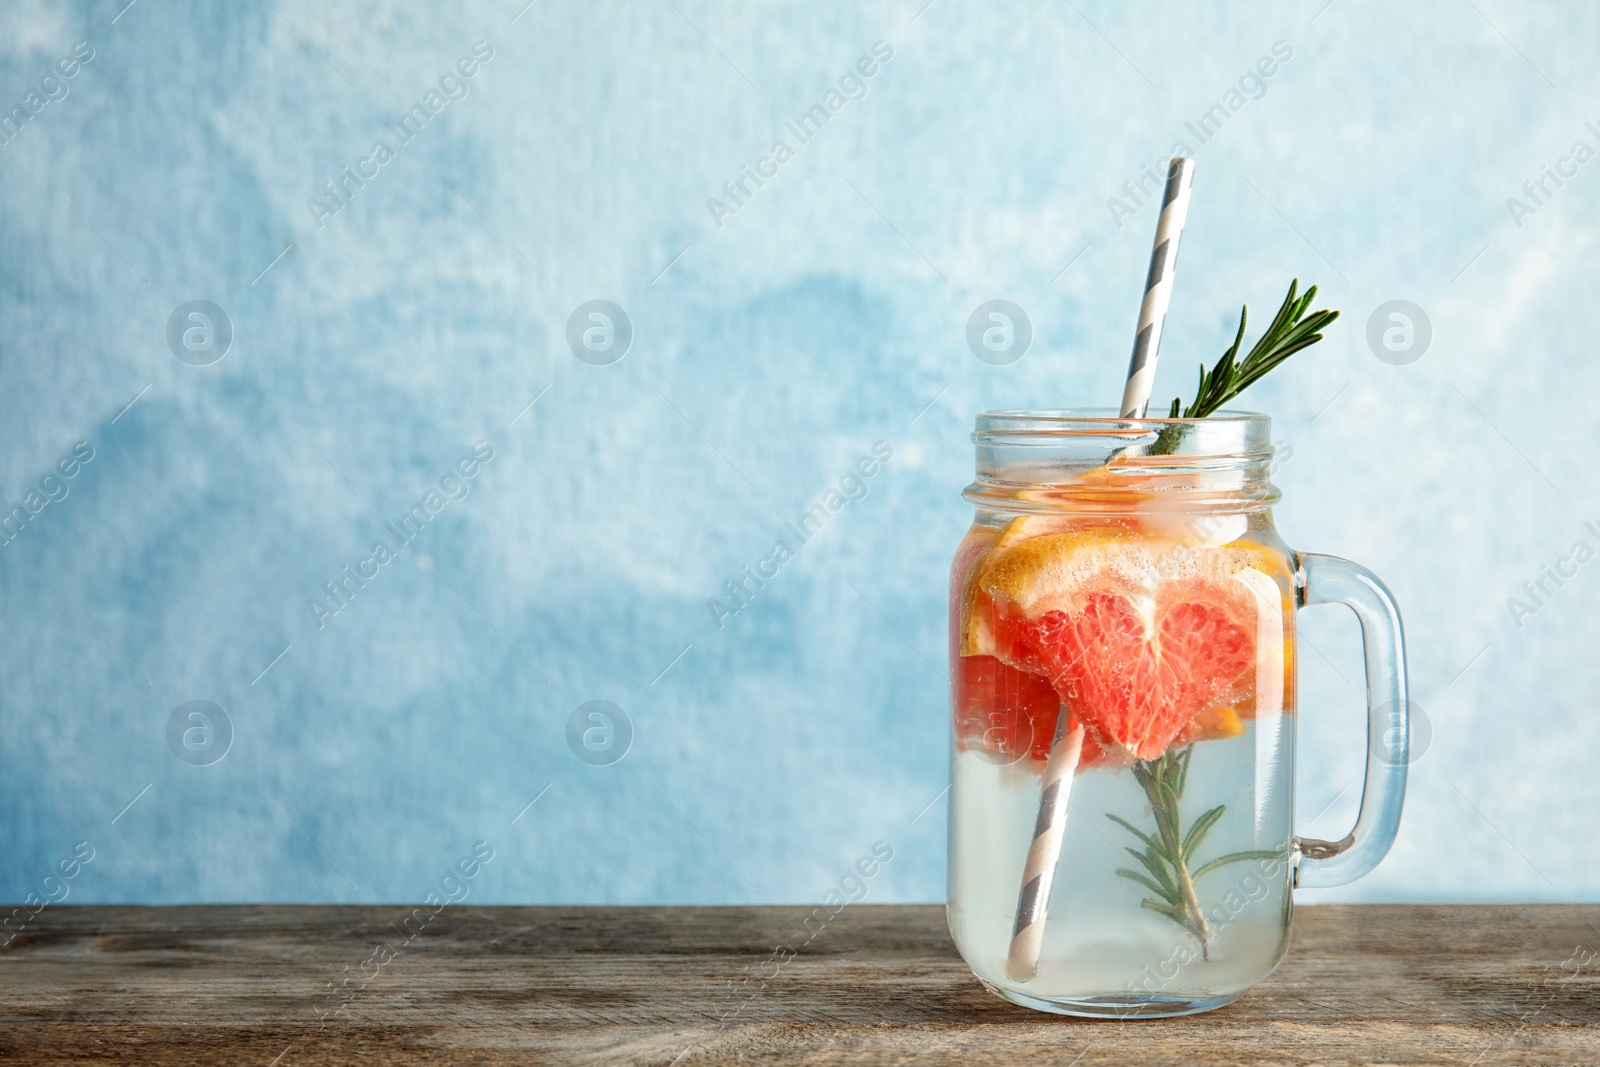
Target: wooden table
[1485,985]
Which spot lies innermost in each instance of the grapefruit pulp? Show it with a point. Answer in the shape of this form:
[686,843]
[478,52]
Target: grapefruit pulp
[1008,713]
[1149,641]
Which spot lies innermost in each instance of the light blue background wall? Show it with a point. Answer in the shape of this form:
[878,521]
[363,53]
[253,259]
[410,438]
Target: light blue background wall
[768,353]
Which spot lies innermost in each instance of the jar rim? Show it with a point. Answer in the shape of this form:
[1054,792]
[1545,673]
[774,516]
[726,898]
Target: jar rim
[1036,458]
[1100,420]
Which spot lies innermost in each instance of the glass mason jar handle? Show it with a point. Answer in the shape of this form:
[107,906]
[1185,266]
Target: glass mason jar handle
[1331,580]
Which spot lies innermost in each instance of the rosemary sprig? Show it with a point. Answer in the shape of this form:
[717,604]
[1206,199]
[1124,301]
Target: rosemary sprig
[1291,330]
[1168,854]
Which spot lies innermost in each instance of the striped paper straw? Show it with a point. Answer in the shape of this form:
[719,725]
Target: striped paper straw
[1158,288]
[1040,870]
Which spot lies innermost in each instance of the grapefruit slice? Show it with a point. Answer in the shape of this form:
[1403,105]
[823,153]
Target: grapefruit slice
[1138,636]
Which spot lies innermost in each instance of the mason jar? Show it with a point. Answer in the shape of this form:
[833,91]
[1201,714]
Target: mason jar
[1123,696]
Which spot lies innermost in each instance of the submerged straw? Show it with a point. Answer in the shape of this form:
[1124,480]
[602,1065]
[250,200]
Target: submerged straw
[1038,873]
[1040,870]
[1158,288]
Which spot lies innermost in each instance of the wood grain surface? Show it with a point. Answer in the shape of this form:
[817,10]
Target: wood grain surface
[1481,986]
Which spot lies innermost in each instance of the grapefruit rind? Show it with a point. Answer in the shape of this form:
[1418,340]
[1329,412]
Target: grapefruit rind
[977,616]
